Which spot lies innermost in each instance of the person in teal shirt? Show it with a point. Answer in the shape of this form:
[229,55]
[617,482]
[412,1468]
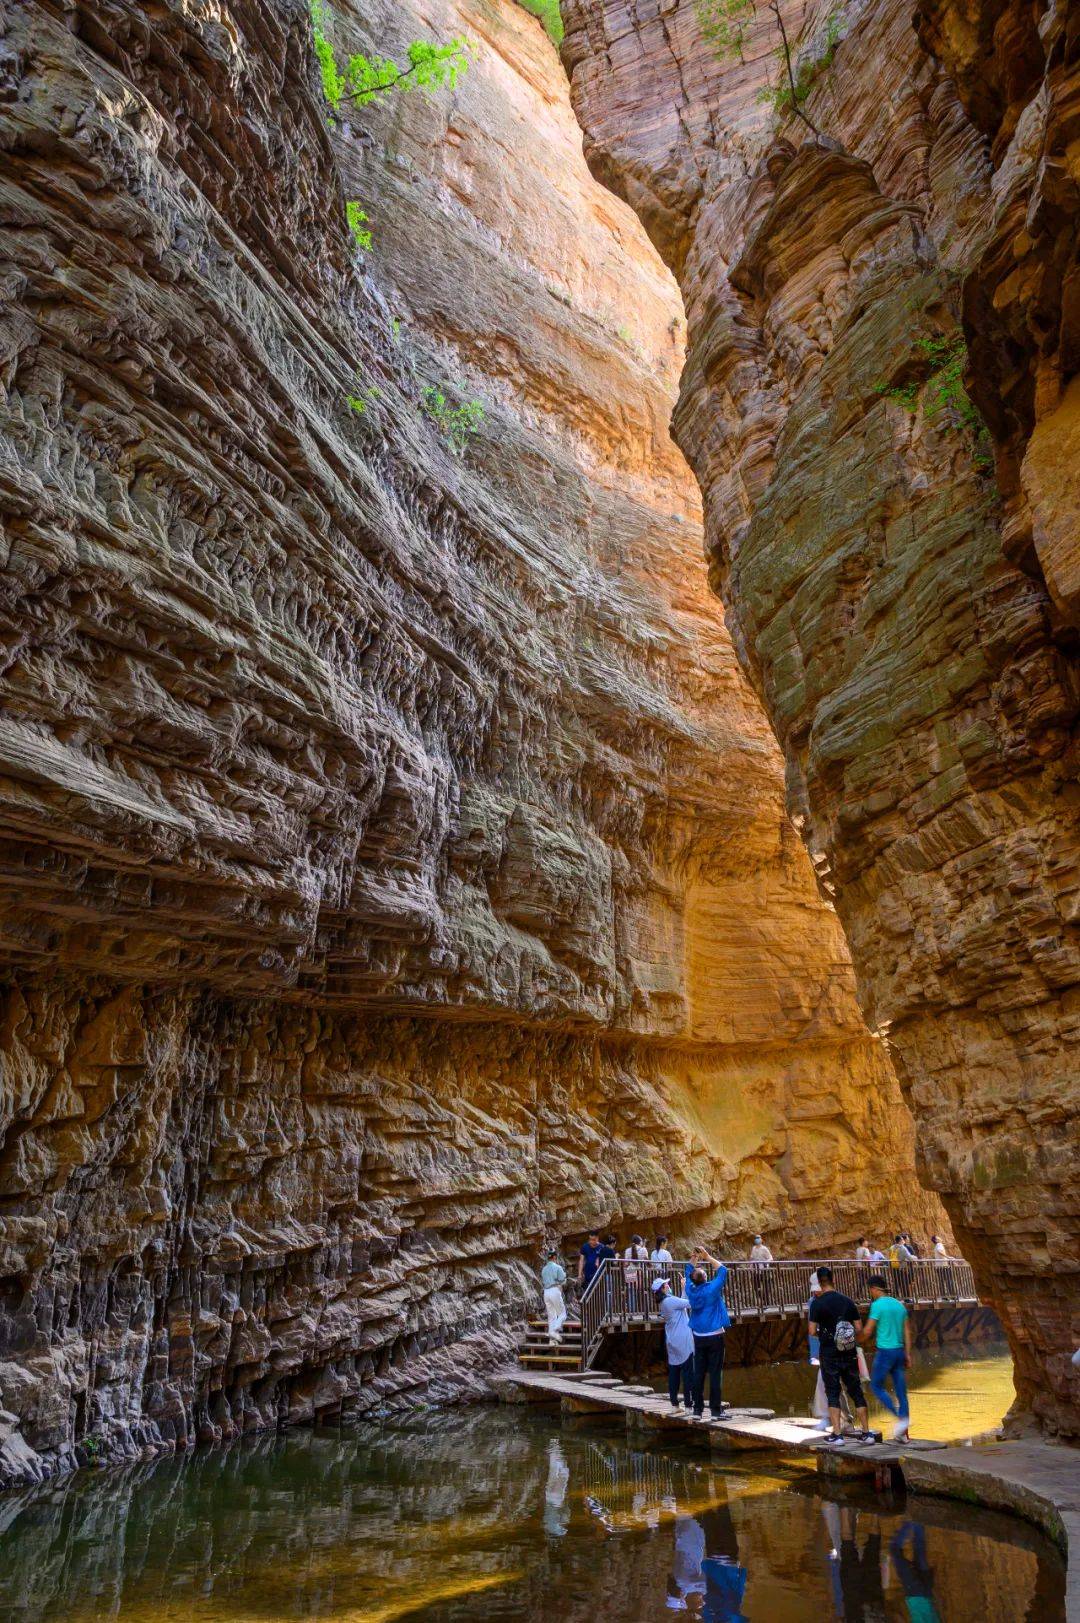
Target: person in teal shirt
[553,1278]
[915,1573]
[890,1328]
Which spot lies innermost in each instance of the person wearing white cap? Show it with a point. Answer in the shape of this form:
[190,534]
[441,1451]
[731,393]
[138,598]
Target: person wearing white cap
[679,1340]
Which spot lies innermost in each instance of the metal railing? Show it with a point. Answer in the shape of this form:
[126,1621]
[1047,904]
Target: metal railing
[621,1296]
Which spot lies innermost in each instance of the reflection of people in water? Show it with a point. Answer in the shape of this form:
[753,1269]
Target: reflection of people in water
[556,1511]
[915,1573]
[856,1579]
[707,1580]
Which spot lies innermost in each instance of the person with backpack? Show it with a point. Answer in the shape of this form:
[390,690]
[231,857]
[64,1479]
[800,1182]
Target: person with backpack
[836,1321]
[890,1326]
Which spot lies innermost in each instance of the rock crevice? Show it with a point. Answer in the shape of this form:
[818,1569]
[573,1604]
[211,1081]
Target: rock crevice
[902,612]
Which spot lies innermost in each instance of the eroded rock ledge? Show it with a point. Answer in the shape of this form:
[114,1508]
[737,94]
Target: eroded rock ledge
[393,855]
[906,617]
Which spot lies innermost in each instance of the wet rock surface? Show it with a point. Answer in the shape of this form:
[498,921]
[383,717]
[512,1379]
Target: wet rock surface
[393,855]
[898,572]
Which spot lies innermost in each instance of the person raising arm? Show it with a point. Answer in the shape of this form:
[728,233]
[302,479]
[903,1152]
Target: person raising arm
[709,1321]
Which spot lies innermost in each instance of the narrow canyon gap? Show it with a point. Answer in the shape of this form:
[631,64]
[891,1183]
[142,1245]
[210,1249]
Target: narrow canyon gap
[394,859]
[898,567]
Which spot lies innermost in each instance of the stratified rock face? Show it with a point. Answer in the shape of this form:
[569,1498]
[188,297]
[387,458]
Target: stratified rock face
[393,854]
[916,675]
[1017,69]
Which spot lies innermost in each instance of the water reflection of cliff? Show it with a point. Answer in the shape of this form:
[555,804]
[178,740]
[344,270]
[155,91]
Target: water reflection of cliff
[463,1516]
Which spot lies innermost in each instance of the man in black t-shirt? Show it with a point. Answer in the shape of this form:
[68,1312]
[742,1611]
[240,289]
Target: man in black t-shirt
[588,1260]
[839,1365]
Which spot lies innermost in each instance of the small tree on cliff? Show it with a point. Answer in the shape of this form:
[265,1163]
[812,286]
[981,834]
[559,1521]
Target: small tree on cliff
[364,79]
[725,24]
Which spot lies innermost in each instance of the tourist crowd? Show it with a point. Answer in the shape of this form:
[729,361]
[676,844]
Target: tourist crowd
[695,1320]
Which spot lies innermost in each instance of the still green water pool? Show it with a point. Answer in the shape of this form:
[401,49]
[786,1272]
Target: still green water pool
[955,1392]
[502,1514]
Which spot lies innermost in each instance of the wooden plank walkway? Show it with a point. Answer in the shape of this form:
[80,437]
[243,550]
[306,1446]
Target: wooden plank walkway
[773,1296]
[648,1411]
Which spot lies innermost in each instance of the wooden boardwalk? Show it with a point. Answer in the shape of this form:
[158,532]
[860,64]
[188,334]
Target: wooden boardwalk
[646,1411]
[770,1298]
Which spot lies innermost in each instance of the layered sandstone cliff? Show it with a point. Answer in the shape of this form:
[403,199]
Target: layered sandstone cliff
[906,615]
[394,860]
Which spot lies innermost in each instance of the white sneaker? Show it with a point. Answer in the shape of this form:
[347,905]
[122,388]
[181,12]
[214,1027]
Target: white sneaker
[900,1431]
[823,1425]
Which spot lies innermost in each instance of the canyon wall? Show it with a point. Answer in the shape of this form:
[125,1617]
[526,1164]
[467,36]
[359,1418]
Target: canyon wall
[393,855]
[897,565]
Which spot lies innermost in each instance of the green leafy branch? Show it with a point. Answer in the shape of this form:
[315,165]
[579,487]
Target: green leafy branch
[458,422]
[358,222]
[788,94]
[724,24]
[363,79]
[549,14]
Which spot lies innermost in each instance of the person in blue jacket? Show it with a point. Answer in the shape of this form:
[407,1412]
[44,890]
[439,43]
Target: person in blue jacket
[709,1321]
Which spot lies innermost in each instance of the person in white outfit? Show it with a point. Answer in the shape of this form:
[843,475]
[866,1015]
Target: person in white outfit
[761,1256]
[556,1511]
[660,1252]
[678,1341]
[553,1278]
[635,1253]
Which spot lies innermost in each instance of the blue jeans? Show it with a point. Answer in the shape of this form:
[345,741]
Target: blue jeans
[889,1361]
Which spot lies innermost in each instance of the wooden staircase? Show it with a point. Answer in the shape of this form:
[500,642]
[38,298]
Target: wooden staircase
[538,1352]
